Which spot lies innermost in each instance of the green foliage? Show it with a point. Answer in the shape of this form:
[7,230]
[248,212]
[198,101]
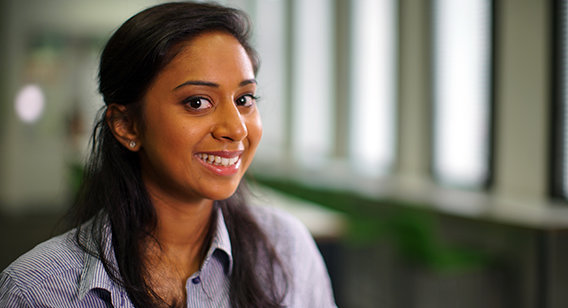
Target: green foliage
[411,228]
[75,177]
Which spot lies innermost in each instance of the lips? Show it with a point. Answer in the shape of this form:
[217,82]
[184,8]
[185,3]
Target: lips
[222,162]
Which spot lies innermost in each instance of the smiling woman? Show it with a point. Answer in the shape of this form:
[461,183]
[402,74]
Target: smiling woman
[162,219]
[200,104]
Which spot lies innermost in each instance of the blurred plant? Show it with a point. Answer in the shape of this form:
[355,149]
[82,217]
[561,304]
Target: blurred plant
[410,228]
[75,178]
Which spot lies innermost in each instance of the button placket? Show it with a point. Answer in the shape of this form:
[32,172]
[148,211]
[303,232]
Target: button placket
[195,288]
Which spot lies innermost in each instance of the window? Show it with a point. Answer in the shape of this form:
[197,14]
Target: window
[312,82]
[462,92]
[270,41]
[373,86]
[305,45]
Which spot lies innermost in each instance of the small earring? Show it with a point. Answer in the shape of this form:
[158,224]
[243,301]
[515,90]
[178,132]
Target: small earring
[132,144]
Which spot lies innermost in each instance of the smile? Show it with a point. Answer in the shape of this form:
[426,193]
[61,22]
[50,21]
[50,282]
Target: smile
[218,160]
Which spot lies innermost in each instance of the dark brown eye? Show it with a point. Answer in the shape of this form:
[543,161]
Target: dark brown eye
[245,100]
[197,103]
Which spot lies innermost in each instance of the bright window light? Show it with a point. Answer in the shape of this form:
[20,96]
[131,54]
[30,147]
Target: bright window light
[29,103]
[312,74]
[372,125]
[462,67]
[270,42]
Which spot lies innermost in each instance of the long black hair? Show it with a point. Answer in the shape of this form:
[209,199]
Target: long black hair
[113,191]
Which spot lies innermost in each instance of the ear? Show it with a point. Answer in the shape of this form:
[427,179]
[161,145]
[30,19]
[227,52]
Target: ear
[122,126]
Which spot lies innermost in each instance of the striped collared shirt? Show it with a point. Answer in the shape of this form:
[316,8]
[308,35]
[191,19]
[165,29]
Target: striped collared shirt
[57,273]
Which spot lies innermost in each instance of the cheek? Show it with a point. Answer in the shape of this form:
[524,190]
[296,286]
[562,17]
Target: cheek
[254,128]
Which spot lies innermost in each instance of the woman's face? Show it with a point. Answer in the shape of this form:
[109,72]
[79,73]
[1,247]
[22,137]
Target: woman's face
[201,123]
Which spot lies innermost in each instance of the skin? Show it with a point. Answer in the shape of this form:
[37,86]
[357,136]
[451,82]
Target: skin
[201,102]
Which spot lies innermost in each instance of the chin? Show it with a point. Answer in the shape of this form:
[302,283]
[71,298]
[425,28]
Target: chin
[221,194]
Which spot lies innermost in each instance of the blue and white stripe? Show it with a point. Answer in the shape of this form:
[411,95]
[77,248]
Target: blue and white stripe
[57,273]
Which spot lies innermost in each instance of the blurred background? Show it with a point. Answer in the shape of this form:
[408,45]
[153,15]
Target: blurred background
[423,142]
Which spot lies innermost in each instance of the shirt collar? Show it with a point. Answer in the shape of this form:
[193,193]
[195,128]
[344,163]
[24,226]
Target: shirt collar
[221,241]
[94,275]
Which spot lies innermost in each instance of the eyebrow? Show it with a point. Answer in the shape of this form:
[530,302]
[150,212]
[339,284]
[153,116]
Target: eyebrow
[212,84]
[248,81]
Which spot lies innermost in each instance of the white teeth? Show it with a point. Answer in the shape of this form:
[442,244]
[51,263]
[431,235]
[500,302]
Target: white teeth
[218,160]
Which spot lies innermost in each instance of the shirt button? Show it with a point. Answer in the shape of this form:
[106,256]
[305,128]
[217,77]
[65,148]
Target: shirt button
[196,280]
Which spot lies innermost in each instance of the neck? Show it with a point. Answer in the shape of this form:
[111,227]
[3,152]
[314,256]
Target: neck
[181,232]
[179,228]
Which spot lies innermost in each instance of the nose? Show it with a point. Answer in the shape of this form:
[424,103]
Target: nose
[229,123]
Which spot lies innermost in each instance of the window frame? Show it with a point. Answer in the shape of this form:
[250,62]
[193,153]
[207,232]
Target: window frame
[558,106]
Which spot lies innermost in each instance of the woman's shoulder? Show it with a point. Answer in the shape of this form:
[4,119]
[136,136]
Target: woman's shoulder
[289,236]
[310,285]
[279,224]
[53,258]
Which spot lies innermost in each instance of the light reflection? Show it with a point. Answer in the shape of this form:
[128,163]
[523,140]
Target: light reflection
[30,103]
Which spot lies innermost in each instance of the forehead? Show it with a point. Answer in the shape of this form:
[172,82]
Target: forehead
[210,55]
